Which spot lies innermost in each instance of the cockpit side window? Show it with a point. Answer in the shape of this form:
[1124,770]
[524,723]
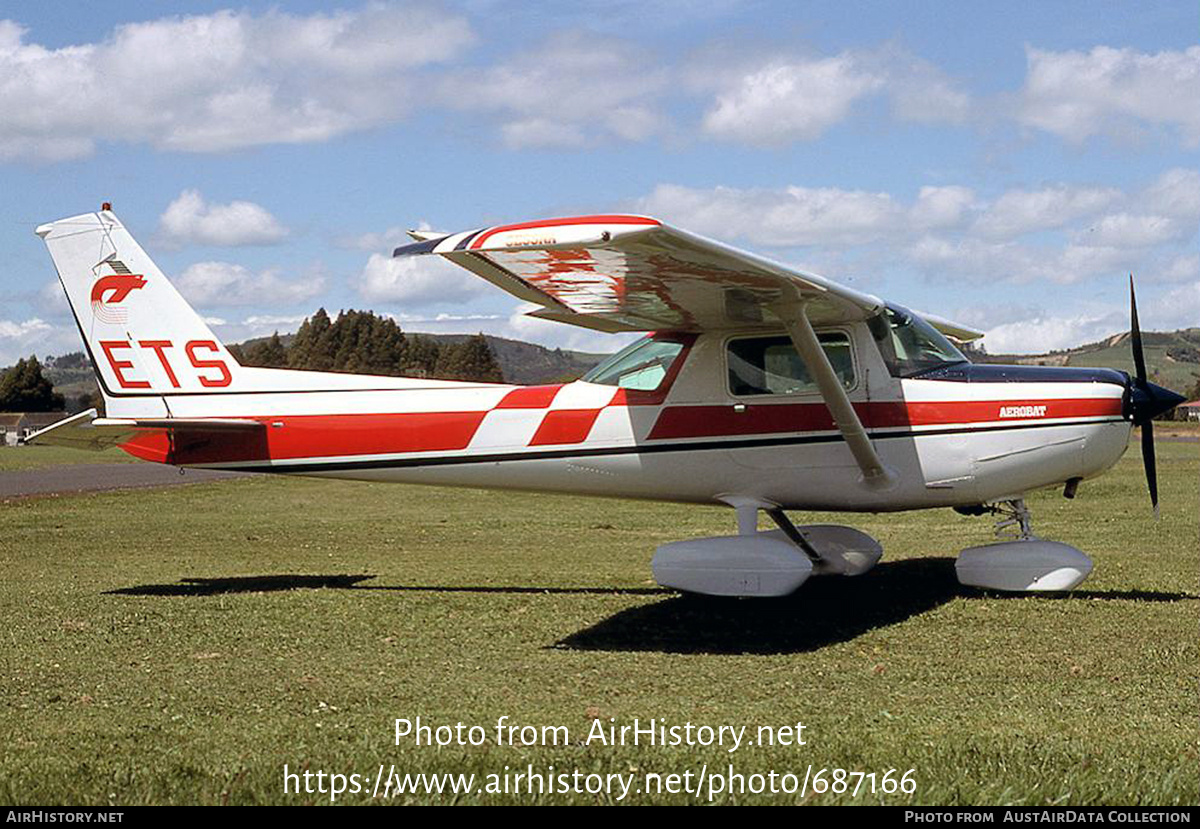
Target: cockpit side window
[909,345]
[771,365]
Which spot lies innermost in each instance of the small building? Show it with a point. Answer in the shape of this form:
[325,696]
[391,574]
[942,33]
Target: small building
[1191,409]
[16,426]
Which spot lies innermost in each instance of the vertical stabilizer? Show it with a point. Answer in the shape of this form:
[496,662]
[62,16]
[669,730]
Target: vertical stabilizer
[144,340]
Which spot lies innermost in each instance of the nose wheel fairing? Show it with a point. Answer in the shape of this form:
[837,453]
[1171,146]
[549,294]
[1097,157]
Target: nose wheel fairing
[1023,566]
[1021,562]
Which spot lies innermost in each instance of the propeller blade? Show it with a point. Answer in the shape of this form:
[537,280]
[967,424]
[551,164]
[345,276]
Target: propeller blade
[1150,464]
[1135,330]
[1143,383]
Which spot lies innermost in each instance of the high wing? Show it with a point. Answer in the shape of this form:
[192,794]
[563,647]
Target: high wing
[634,273]
[87,431]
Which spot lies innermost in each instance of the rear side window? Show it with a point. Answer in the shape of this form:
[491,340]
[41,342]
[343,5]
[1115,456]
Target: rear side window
[641,367]
[771,365]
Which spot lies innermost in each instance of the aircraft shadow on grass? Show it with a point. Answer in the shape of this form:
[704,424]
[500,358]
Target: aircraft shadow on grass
[824,612]
[238,584]
[269,584]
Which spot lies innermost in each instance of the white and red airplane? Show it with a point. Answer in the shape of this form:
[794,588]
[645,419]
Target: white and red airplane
[759,386]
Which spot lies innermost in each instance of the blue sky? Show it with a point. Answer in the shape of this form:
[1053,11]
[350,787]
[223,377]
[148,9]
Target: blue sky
[1004,164]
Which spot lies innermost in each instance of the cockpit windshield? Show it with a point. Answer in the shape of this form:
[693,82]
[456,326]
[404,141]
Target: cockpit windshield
[909,344]
[641,366]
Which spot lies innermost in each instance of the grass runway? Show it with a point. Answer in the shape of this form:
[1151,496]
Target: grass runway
[182,645]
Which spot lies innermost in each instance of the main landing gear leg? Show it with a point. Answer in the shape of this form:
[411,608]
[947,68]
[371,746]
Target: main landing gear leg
[1021,562]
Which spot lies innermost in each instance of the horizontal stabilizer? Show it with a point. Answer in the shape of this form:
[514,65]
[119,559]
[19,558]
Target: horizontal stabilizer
[87,431]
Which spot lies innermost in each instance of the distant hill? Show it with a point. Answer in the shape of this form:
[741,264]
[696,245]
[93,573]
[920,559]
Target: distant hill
[72,377]
[1172,357]
[529,364]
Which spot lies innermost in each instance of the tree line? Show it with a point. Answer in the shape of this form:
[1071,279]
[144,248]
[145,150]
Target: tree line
[23,388]
[361,342]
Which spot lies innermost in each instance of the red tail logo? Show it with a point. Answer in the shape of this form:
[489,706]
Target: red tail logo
[117,286]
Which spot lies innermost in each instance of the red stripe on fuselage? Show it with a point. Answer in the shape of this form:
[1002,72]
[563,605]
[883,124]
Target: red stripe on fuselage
[349,435]
[310,436]
[771,418]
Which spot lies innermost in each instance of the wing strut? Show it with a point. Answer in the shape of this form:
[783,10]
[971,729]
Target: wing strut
[794,316]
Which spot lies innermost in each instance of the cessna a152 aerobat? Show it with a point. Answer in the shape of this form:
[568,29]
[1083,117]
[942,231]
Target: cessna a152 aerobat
[758,386]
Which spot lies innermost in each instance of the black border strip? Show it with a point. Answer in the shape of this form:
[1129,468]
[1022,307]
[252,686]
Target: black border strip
[466,240]
[637,449]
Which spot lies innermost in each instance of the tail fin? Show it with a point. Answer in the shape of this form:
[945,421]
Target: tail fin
[143,338]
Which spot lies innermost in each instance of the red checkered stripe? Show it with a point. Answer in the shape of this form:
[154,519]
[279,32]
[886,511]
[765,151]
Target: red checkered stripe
[569,415]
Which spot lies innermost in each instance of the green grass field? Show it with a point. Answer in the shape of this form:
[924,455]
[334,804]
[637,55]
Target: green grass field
[22,458]
[181,645]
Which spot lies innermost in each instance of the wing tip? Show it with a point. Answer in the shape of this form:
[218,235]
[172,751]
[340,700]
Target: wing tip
[417,248]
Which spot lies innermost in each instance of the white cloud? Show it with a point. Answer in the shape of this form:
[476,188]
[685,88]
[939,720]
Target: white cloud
[792,216]
[533,133]
[22,330]
[781,99]
[418,281]
[1178,308]
[981,260]
[190,220]
[1022,211]
[573,90]
[1175,193]
[1167,211]
[1076,95]
[1059,233]
[942,207]
[1041,333]
[790,101]
[388,240]
[1131,230]
[34,336]
[922,93]
[1181,268]
[805,215]
[222,81]
[221,284]
[1014,330]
